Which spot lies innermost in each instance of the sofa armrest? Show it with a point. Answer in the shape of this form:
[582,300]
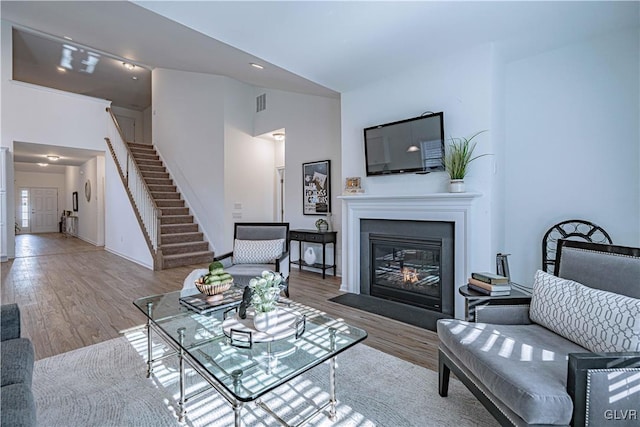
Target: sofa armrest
[600,386]
[9,322]
[516,314]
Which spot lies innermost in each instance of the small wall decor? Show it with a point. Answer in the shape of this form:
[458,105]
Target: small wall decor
[352,185]
[316,196]
[74,200]
[87,190]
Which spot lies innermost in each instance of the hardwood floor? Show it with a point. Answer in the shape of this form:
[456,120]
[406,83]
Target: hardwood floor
[72,294]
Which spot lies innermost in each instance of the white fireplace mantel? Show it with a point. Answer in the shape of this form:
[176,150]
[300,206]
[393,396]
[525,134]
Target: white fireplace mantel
[447,207]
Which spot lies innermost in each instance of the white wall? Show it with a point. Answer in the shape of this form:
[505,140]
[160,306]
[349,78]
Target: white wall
[572,144]
[462,87]
[312,126]
[188,132]
[249,161]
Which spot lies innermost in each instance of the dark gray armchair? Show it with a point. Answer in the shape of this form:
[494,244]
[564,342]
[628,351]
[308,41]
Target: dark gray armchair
[528,369]
[258,246]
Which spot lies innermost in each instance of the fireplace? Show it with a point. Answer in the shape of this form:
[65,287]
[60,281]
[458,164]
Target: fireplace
[410,262]
[456,209]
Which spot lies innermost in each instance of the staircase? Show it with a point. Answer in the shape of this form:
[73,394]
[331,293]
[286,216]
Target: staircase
[180,242]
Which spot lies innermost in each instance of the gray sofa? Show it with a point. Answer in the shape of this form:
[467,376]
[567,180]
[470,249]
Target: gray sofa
[17,404]
[559,360]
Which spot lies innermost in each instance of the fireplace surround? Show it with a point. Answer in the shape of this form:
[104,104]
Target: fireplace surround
[454,208]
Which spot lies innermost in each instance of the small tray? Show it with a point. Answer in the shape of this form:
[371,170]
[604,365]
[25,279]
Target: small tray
[286,327]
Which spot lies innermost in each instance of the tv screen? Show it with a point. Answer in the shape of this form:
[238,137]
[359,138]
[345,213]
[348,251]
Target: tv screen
[412,145]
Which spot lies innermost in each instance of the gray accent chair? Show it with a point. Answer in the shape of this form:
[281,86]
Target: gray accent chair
[18,406]
[526,374]
[251,231]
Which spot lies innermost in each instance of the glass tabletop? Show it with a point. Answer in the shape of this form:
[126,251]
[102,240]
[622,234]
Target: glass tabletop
[248,373]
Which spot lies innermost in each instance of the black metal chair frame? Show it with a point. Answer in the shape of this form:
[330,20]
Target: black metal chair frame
[573,229]
[264,224]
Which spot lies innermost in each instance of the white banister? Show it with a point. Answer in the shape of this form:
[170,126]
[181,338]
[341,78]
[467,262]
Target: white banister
[144,205]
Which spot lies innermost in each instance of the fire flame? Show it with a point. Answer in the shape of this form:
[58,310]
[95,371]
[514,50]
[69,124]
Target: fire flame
[409,275]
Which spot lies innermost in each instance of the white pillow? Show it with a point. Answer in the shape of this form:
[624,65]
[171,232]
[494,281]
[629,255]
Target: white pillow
[257,251]
[597,320]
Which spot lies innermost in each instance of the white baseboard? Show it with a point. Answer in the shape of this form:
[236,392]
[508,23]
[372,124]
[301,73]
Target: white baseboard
[128,258]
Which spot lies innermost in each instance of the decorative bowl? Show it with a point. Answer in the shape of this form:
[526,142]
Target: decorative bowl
[213,289]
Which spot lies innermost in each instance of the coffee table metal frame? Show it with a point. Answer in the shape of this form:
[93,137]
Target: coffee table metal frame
[233,396]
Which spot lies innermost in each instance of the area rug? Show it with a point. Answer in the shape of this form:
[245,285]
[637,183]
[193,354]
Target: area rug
[105,385]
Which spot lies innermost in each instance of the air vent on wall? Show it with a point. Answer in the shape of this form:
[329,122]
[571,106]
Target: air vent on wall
[261,102]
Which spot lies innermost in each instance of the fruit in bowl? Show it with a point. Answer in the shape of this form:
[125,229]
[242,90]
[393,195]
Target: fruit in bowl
[215,281]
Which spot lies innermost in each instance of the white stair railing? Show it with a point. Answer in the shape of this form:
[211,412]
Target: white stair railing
[147,212]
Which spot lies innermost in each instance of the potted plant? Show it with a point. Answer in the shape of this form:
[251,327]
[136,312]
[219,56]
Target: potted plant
[265,290]
[457,159]
[322,225]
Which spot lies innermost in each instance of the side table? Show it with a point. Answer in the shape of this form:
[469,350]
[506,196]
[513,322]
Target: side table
[314,236]
[473,299]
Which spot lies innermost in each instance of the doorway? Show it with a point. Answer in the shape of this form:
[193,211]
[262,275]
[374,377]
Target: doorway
[128,127]
[38,211]
[280,194]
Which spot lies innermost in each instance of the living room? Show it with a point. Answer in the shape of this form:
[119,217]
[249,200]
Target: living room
[548,108]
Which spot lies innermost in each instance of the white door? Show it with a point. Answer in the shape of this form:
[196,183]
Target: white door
[128,127]
[44,210]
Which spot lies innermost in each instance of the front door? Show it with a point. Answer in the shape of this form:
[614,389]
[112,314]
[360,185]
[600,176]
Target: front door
[44,210]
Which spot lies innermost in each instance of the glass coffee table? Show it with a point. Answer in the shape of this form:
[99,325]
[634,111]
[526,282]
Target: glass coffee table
[242,364]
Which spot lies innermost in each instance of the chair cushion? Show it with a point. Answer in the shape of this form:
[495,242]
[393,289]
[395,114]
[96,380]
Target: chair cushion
[242,273]
[18,406]
[257,251]
[17,361]
[524,366]
[598,320]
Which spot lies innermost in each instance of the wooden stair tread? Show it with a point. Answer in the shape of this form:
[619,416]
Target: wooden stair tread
[188,255]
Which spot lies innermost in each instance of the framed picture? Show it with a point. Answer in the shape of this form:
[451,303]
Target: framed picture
[74,199]
[316,195]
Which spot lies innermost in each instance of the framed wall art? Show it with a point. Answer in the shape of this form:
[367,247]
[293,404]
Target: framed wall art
[316,194]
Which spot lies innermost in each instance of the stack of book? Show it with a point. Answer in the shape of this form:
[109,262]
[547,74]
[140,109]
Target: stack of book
[489,284]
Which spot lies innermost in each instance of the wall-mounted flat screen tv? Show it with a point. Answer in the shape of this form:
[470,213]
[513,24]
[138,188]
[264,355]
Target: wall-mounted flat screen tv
[411,145]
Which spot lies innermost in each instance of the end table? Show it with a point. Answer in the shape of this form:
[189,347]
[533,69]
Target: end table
[473,299]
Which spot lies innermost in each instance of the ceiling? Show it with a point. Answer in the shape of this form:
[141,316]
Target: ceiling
[320,48]
[26,157]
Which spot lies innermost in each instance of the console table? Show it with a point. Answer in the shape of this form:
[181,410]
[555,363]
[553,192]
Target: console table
[314,236]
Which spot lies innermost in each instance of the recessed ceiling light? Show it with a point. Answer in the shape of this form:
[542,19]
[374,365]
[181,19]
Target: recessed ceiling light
[61,69]
[53,158]
[258,66]
[134,78]
[43,164]
[278,136]
[128,66]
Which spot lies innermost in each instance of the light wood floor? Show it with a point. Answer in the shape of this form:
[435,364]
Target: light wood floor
[72,294]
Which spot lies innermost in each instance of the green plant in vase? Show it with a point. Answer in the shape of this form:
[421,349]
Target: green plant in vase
[322,224]
[457,158]
[265,291]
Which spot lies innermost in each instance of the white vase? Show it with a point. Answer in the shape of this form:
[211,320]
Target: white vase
[456,186]
[309,256]
[263,321]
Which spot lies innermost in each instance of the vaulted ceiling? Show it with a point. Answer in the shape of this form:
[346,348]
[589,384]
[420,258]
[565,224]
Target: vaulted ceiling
[315,47]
